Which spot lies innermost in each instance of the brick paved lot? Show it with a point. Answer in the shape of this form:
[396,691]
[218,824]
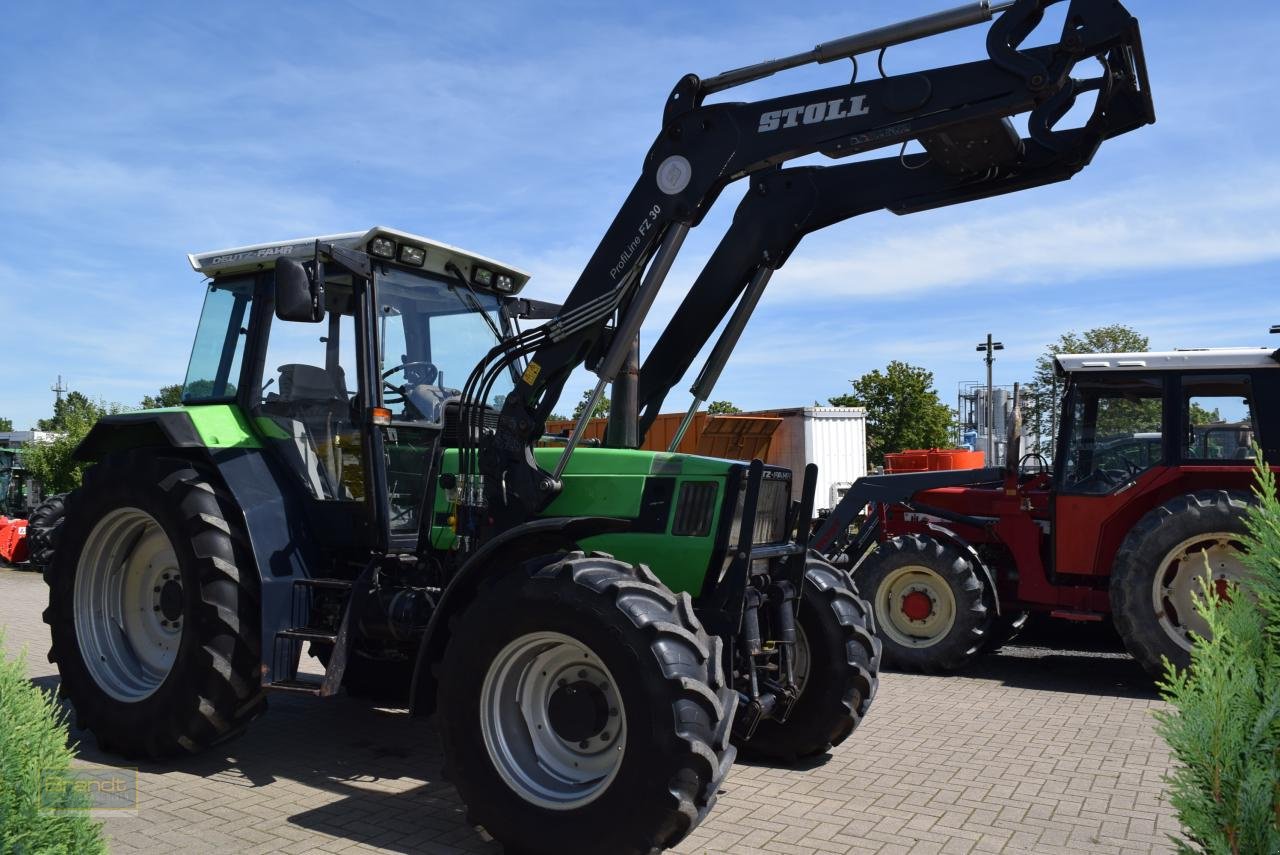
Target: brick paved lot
[1036,751]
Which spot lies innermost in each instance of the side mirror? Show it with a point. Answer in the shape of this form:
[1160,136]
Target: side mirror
[299,297]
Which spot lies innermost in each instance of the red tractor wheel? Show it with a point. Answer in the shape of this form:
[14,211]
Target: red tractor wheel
[1158,570]
[933,610]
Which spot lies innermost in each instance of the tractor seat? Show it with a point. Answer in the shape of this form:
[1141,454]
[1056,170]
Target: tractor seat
[313,407]
[311,384]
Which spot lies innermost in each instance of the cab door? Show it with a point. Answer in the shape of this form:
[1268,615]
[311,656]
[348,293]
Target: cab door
[1112,444]
[308,403]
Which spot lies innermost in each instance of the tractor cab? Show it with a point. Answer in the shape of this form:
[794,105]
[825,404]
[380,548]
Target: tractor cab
[1125,415]
[391,349]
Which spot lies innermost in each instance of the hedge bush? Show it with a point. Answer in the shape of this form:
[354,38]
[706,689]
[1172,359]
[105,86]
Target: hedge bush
[33,746]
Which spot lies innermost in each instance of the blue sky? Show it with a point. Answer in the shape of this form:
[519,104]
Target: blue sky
[135,133]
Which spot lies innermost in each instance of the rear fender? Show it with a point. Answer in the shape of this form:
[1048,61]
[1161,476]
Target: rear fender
[147,429]
[508,549]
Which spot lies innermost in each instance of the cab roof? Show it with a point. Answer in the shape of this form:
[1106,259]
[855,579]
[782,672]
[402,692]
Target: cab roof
[262,256]
[1169,360]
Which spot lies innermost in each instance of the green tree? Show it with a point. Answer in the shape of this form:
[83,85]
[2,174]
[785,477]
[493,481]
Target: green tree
[903,410]
[6,425]
[1041,397]
[722,408]
[71,409]
[51,462]
[168,396]
[599,411]
[1224,721]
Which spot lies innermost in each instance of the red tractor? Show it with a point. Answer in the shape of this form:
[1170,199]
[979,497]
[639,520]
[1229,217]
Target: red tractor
[1151,480]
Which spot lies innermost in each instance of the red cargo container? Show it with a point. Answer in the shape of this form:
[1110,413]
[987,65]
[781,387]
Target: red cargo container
[932,460]
[906,461]
[13,541]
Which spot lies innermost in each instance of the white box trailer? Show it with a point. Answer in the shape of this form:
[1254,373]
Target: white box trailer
[835,438]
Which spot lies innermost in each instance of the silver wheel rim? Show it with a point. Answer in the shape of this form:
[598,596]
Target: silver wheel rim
[537,762]
[1177,579]
[896,611]
[128,604]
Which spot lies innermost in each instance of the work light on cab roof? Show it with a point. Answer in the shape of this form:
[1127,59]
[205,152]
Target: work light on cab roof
[383,244]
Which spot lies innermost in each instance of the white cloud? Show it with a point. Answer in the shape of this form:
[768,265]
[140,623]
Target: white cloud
[1221,219]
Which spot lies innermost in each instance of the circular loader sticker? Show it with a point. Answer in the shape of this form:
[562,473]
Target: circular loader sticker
[674,174]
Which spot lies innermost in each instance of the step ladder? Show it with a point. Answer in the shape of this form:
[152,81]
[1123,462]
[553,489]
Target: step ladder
[287,645]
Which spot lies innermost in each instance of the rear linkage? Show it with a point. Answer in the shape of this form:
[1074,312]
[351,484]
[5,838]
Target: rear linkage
[959,113]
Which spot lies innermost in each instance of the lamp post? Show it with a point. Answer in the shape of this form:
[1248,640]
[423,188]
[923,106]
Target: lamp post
[989,347]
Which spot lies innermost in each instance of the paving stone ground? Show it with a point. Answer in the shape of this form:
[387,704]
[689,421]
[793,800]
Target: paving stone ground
[1037,750]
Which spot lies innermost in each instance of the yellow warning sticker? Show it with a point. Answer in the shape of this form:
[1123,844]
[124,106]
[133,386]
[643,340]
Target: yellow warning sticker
[531,373]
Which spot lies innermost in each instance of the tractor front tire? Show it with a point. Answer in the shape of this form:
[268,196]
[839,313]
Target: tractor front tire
[933,610]
[44,526]
[153,608]
[1158,568]
[584,709]
[838,673]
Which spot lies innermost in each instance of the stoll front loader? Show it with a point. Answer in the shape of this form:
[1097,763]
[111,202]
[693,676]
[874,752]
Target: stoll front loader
[598,630]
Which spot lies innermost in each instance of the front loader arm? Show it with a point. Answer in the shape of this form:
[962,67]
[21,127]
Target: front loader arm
[699,151]
[783,205]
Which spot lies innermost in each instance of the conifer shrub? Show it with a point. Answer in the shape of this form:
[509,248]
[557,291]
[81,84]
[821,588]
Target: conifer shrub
[1224,722]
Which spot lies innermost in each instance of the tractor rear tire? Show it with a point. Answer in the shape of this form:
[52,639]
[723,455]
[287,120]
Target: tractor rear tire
[153,608]
[44,526]
[583,708]
[1158,567]
[840,678]
[933,610]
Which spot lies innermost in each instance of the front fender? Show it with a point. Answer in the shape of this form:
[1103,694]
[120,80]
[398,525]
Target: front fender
[510,548]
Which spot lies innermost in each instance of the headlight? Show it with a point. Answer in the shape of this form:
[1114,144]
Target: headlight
[505,283]
[412,255]
[382,247]
[482,276]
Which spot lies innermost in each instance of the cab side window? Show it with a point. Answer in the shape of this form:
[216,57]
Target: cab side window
[305,404]
[1218,418]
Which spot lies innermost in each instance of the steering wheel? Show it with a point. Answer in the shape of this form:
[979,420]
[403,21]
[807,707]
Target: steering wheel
[415,371]
[1042,462]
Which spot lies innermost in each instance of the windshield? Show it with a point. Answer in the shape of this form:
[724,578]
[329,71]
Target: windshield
[430,337]
[1114,432]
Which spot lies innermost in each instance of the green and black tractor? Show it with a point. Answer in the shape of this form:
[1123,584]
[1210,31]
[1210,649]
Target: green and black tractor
[309,492]
[359,468]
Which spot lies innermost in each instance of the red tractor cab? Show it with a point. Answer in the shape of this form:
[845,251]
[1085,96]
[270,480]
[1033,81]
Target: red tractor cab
[1151,477]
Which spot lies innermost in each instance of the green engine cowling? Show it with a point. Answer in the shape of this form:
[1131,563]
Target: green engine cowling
[682,507]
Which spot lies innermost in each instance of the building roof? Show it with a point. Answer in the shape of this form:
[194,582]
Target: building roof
[1169,360]
[242,259]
